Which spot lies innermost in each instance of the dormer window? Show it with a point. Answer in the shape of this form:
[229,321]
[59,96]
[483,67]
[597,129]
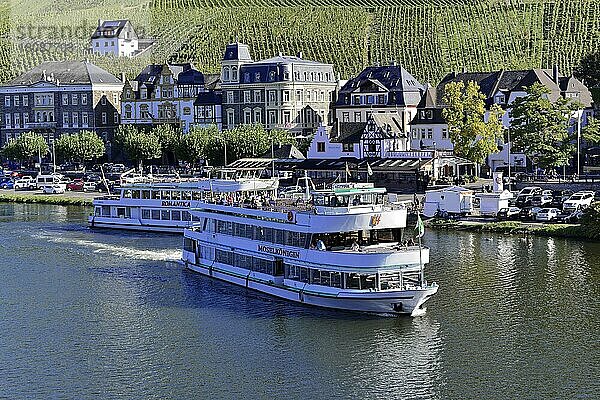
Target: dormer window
[500,98]
[272,75]
[225,73]
[257,77]
[234,74]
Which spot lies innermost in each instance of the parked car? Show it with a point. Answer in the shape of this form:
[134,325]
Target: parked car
[540,200]
[578,201]
[76,185]
[90,186]
[102,187]
[9,184]
[507,213]
[528,213]
[559,197]
[569,217]
[25,183]
[530,190]
[547,214]
[523,200]
[56,188]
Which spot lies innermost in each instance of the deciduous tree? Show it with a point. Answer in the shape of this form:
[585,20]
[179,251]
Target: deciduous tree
[81,146]
[138,144]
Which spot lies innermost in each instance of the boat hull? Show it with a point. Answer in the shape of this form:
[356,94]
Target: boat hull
[130,225]
[405,302]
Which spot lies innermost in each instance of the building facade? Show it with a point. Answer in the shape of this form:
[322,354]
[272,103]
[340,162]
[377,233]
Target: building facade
[175,94]
[379,90]
[116,38]
[283,92]
[55,98]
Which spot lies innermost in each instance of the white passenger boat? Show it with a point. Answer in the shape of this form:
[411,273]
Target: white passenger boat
[343,250]
[163,206]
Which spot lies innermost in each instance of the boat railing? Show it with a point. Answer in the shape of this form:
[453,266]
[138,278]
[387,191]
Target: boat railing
[108,197]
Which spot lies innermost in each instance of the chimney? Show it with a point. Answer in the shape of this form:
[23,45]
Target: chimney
[555,73]
[393,63]
[123,77]
[100,22]
[464,70]
[300,55]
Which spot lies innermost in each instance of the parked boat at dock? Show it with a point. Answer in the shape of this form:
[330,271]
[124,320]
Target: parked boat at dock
[344,250]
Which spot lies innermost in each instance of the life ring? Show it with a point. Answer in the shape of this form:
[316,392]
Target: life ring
[290,216]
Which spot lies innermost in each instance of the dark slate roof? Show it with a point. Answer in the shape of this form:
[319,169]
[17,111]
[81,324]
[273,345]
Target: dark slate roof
[284,152]
[190,77]
[115,27]
[347,132]
[212,81]
[208,98]
[65,73]
[258,72]
[407,165]
[508,81]
[237,51]
[150,73]
[406,90]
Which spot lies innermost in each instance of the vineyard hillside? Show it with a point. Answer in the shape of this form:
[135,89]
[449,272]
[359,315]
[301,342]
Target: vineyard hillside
[428,37]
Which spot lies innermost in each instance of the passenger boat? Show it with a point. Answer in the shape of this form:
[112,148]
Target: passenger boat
[161,205]
[344,250]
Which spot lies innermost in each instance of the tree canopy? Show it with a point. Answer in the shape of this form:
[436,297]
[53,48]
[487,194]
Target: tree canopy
[27,146]
[138,144]
[196,144]
[540,128]
[473,137]
[168,137]
[588,69]
[81,146]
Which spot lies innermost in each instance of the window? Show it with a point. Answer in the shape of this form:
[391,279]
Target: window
[115,98]
[17,119]
[65,119]
[116,118]
[320,147]
[84,119]
[345,116]
[257,116]
[65,99]
[25,100]
[298,95]
[187,111]
[103,118]
[83,99]
[348,147]
[74,99]
[257,96]
[370,99]
[230,97]
[128,111]
[247,117]
[286,95]
[308,96]
[429,133]
[247,97]
[144,114]
[429,114]
[272,97]
[225,73]
[16,101]
[234,73]
[380,99]
[26,118]
[103,100]
[444,133]
[357,116]
[422,133]
[75,119]
[272,117]
[287,117]
[257,77]
[230,119]
[7,120]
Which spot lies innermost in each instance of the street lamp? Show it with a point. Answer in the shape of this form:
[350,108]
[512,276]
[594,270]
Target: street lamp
[579,115]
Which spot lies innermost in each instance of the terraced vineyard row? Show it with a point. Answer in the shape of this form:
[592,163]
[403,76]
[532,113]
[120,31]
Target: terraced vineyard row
[429,37]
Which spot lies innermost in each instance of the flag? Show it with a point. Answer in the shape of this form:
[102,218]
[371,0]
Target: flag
[348,170]
[369,170]
[419,227]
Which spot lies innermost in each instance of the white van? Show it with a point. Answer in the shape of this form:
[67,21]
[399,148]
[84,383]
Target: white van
[48,180]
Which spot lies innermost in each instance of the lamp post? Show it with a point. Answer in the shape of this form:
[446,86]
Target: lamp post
[508,147]
[435,171]
[579,115]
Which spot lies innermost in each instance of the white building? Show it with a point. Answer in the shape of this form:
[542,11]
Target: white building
[117,38]
[175,94]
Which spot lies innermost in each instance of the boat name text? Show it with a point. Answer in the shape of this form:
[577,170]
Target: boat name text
[171,203]
[278,251]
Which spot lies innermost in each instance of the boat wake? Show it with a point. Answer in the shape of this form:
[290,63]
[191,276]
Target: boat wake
[116,250]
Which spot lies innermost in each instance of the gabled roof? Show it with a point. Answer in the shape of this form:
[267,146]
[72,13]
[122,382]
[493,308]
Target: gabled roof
[284,152]
[208,98]
[347,132]
[406,88]
[65,73]
[151,73]
[110,29]
[390,123]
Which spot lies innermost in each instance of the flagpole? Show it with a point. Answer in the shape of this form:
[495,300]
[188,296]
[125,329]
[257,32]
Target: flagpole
[421,261]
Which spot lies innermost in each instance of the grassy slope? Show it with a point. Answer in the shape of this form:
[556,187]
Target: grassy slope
[429,38]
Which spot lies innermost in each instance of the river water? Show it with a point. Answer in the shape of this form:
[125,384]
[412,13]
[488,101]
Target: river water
[91,314]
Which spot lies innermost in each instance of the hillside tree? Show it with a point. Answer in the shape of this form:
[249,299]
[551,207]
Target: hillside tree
[26,147]
[588,70]
[195,145]
[139,145]
[80,147]
[169,138]
[473,137]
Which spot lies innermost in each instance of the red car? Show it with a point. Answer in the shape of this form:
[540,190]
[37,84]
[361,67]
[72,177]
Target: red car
[76,185]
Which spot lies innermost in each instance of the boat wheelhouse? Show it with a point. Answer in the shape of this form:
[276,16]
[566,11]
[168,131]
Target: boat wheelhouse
[345,249]
[163,205]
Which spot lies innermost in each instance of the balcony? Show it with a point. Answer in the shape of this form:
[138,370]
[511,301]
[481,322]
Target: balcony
[40,125]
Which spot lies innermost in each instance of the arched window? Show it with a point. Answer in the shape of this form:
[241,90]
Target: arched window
[225,73]
[38,117]
[128,111]
[51,116]
[44,117]
[144,111]
[234,74]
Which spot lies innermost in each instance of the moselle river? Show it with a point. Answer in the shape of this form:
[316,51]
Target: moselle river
[98,314]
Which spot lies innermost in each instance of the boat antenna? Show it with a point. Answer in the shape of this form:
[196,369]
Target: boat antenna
[104,180]
[419,232]
[306,183]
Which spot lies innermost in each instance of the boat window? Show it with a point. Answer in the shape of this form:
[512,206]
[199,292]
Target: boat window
[127,194]
[121,212]
[176,215]
[187,195]
[195,219]
[188,244]
[352,281]
[135,194]
[196,195]
[106,211]
[155,214]
[165,195]
[165,215]
[98,211]
[243,261]
[176,195]
[279,236]
[336,279]
[304,274]
[224,257]
[145,194]
[145,214]
[319,200]
[186,216]
[156,195]
[315,276]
